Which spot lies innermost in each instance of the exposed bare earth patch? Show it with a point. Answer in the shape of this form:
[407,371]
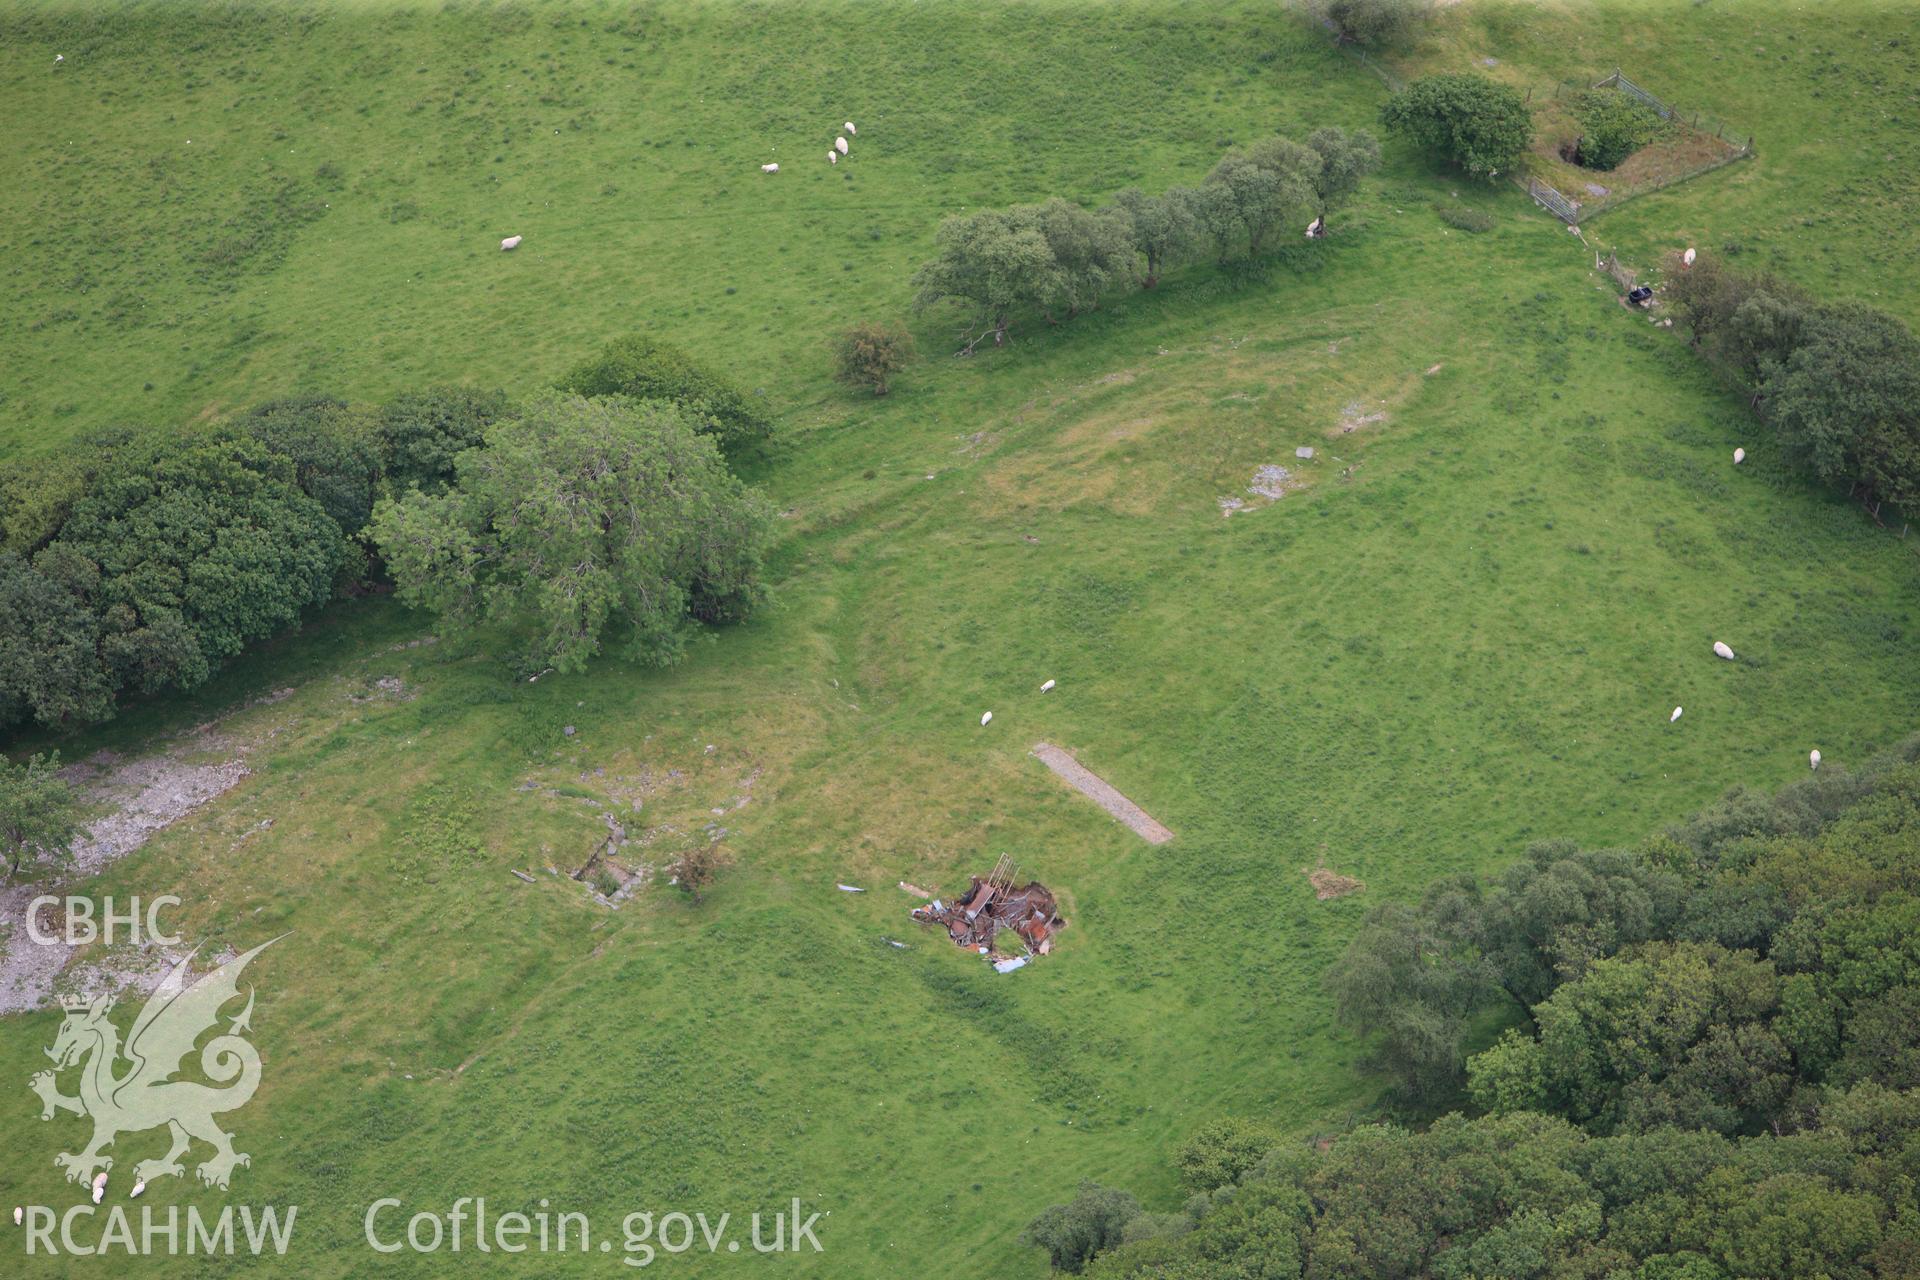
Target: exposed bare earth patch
[1102,794]
[142,796]
[1331,884]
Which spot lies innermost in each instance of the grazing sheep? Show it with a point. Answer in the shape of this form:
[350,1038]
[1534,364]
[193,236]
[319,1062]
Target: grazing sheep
[1687,258]
[1047,687]
[833,157]
[138,1187]
[769,168]
[1674,716]
[1739,456]
[18,1214]
[1721,649]
[987,718]
[511,242]
[1813,758]
[840,145]
[1316,228]
[848,126]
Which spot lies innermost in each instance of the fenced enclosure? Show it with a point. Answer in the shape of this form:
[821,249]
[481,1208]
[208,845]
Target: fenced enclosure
[1703,143]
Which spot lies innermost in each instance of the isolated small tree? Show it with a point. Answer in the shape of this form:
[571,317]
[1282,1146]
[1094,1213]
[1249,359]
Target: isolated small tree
[869,355]
[990,262]
[1345,158]
[39,817]
[698,869]
[1469,121]
[1164,228]
[1375,23]
[1265,186]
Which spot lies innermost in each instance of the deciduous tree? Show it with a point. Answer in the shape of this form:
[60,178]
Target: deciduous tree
[1468,121]
[581,521]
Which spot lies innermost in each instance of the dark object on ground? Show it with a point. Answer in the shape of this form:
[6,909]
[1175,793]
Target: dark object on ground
[1640,295]
[992,904]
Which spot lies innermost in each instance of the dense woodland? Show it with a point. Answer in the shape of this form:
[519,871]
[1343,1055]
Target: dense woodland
[141,560]
[1709,1070]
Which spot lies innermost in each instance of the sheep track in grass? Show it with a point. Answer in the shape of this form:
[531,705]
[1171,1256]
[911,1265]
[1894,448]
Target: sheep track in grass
[1094,787]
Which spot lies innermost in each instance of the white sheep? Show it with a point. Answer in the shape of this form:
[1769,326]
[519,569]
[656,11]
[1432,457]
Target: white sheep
[511,242]
[848,126]
[1047,687]
[986,719]
[1813,758]
[1674,716]
[18,1215]
[1687,257]
[1720,648]
[138,1187]
[833,157]
[1739,456]
[840,145]
[769,168]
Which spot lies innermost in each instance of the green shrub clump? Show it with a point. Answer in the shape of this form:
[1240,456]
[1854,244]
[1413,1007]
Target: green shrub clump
[647,369]
[1613,127]
[1462,218]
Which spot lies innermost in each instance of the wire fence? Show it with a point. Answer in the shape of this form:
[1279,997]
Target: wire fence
[1711,144]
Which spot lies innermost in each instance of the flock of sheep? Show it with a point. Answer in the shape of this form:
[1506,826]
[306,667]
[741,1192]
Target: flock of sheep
[838,149]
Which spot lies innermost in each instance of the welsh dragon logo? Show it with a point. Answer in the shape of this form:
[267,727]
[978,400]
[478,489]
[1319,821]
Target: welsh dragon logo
[145,1095]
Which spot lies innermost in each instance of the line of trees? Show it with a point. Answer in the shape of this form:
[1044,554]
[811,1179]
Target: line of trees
[1058,258]
[1839,383]
[139,561]
[1711,1072]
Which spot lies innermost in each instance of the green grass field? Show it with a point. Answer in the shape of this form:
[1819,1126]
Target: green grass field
[1464,630]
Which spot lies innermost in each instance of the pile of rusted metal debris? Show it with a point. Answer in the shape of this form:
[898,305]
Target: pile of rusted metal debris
[1008,924]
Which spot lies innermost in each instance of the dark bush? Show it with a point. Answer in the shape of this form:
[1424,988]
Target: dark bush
[1613,127]
[647,369]
[1468,121]
[422,432]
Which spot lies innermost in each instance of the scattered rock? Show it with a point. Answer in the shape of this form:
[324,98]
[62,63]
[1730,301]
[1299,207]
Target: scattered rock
[569,731]
[1304,451]
[1270,481]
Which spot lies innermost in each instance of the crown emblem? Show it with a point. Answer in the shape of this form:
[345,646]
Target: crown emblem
[75,1004]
